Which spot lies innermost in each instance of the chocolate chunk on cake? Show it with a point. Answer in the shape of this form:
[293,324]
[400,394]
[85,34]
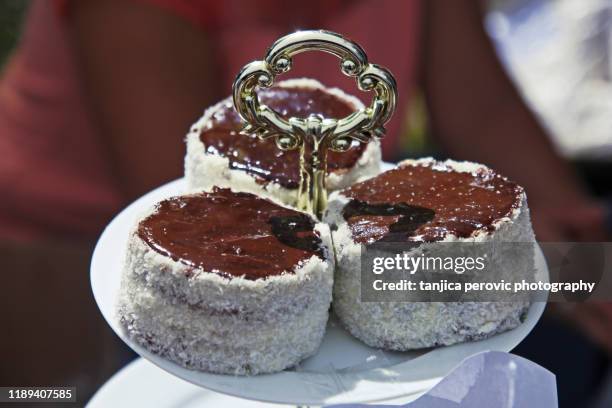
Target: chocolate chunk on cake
[218,155]
[425,203]
[227,282]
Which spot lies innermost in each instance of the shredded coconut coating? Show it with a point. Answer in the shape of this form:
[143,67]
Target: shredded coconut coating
[207,322]
[405,326]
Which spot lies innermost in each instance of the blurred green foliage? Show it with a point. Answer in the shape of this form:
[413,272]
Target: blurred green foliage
[11,15]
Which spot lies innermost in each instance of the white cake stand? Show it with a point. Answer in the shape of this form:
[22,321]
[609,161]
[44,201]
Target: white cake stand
[142,384]
[343,371]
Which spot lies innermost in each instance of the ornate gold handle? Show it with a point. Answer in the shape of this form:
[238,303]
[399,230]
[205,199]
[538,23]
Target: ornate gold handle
[314,133]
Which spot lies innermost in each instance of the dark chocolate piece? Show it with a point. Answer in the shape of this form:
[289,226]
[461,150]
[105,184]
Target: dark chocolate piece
[231,234]
[426,202]
[296,231]
[407,218]
[263,158]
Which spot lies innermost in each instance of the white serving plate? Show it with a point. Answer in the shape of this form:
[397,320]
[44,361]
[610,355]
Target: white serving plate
[142,384]
[343,371]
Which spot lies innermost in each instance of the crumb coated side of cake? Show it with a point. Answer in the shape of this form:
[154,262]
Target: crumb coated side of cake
[414,325]
[224,323]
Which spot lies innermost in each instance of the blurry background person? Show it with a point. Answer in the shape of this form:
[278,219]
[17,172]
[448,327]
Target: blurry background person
[97,96]
[559,54]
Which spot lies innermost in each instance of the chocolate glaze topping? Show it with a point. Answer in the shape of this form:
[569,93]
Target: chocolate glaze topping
[231,234]
[262,158]
[426,202]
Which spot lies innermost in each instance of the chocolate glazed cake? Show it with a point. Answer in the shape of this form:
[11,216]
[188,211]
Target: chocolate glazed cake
[227,282]
[423,203]
[218,155]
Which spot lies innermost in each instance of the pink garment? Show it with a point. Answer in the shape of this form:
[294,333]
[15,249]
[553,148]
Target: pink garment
[54,175]
[54,178]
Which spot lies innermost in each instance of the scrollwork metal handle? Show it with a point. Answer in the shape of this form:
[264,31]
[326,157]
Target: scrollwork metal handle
[314,133]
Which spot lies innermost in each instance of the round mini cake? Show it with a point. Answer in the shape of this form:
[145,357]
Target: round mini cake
[227,282]
[445,202]
[218,155]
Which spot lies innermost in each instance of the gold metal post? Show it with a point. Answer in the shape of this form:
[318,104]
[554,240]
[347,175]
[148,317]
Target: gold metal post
[314,134]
